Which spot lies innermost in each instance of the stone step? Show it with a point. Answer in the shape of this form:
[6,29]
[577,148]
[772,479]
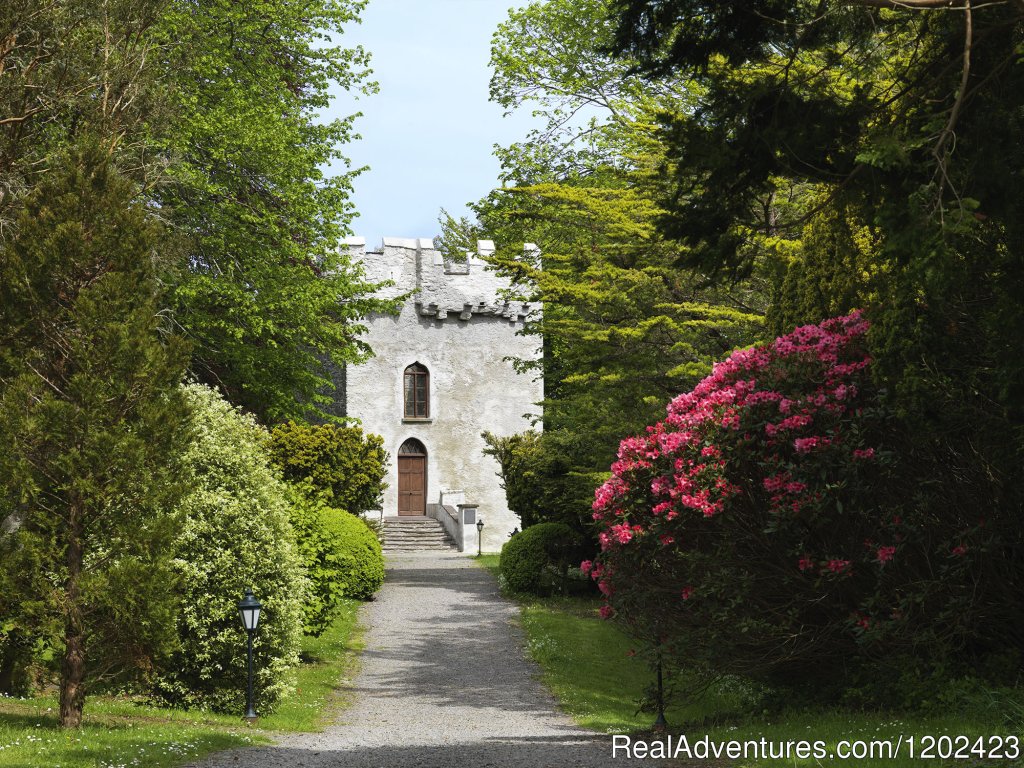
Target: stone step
[397,539]
[415,539]
[414,534]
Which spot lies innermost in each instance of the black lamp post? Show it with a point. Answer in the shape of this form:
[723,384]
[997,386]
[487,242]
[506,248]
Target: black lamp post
[249,610]
[479,536]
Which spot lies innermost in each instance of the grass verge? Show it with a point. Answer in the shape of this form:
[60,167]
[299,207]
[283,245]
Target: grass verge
[328,662]
[121,733]
[587,664]
[114,734]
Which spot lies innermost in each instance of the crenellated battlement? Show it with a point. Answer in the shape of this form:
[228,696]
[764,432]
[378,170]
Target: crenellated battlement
[442,289]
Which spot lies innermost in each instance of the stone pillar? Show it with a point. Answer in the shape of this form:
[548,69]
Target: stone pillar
[467,527]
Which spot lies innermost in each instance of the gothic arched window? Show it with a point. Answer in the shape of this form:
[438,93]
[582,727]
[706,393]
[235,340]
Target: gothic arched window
[417,392]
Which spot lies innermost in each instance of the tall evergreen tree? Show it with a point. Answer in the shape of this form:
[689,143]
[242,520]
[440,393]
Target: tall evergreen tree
[90,411]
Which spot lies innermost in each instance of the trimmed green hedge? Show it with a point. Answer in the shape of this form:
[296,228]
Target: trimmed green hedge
[342,557]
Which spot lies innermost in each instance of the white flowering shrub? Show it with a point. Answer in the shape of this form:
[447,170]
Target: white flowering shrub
[235,535]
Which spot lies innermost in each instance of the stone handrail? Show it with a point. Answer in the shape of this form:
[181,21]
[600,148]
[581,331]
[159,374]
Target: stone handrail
[459,521]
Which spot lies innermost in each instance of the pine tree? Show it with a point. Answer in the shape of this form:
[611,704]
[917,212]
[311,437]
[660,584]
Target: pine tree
[90,411]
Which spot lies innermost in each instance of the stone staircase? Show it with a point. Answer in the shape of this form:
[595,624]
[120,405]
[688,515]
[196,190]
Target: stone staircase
[414,534]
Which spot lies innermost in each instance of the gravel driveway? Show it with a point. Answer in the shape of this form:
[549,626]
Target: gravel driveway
[444,683]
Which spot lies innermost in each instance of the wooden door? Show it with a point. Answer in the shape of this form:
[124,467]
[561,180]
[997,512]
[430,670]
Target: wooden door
[412,485]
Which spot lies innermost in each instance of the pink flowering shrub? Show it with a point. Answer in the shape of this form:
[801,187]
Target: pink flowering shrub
[755,527]
[769,524]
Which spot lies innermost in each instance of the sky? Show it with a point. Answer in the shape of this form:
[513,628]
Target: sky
[428,135]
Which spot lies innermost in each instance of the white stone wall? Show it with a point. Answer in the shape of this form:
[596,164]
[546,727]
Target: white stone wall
[461,330]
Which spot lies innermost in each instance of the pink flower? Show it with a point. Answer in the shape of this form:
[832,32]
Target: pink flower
[686,593]
[606,612]
[606,587]
[959,551]
[838,566]
[622,533]
[804,563]
[586,566]
[885,554]
[665,539]
[805,444]
[865,453]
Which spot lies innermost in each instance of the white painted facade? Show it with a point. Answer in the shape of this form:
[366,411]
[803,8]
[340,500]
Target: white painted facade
[459,328]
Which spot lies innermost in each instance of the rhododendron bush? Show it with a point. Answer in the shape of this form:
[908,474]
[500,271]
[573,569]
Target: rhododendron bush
[761,527]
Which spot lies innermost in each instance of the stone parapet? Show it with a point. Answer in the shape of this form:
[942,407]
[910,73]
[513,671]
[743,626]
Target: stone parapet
[442,290]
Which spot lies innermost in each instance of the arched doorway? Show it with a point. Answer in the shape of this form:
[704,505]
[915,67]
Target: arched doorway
[412,478]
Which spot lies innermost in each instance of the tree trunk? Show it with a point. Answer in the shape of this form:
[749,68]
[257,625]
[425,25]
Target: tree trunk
[72,668]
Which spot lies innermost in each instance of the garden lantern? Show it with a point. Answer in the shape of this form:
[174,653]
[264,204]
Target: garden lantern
[479,536]
[249,610]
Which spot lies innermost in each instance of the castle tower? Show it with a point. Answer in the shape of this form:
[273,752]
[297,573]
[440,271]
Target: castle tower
[440,376]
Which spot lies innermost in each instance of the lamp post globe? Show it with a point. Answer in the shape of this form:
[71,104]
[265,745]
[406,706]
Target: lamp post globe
[479,536]
[249,612]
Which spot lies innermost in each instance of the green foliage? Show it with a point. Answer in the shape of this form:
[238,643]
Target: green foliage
[342,558]
[835,270]
[623,327]
[268,294]
[515,455]
[71,70]
[235,534]
[550,56]
[537,559]
[340,464]
[91,416]
[540,475]
[458,237]
[214,110]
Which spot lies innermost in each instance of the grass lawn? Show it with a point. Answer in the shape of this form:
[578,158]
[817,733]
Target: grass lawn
[587,664]
[119,733]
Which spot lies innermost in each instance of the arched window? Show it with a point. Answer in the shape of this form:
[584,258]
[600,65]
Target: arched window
[412,447]
[417,392]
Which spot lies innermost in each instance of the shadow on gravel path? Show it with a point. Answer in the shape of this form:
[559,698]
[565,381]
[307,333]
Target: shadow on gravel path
[444,683]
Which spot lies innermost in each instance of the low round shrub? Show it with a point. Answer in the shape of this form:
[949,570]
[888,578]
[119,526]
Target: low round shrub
[342,557]
[360,555]
[235,534]
[537,560]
